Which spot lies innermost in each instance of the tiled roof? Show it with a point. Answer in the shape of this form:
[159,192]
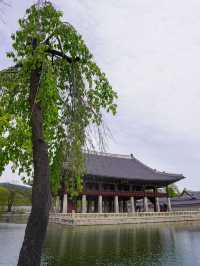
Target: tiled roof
[188,195]
[126,167]
[187,199]
[191,194]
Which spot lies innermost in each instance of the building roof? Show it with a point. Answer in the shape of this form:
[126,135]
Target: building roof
[188,194]
[126,167]
[187,199]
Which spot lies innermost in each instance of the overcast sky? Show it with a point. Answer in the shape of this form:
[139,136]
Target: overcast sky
[150,51]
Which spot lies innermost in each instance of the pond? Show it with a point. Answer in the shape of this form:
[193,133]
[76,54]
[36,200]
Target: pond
[169,244]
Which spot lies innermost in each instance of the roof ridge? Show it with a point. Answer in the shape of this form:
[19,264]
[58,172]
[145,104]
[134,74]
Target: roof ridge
[107,154]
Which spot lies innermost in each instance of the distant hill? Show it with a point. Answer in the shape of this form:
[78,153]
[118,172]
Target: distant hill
[15,194]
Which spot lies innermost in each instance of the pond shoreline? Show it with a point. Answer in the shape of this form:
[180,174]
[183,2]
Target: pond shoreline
[89,219]
[18,218]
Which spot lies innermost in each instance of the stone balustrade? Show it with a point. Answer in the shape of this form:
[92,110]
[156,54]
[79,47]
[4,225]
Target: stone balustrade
[124,193]
[126,214]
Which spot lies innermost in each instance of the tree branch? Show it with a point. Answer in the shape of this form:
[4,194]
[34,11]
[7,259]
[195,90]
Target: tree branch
[52,52]
[64,56]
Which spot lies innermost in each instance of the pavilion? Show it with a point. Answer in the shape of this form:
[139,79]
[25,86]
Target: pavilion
[119,183]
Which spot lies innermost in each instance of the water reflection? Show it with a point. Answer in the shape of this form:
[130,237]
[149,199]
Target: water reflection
[141,245]
[11,236]
[167,244]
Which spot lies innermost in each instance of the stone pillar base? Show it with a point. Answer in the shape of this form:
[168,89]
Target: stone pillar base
[57,207]
[132,204]
[64,210]
[116,204]
[157,204]
[146,207]
[169,207]
[84,204]
[100,205]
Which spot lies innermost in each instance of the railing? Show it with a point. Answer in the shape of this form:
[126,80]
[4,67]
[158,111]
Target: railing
[124,193]
[123,215]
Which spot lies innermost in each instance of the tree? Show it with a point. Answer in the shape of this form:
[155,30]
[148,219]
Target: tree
[173,190]
[11,199]
[3,198]
[7,198]
[49,100]
[12,195]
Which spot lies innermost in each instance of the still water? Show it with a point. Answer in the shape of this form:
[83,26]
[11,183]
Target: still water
[141,245]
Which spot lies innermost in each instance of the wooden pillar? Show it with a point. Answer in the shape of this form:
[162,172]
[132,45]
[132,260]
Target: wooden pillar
[64,210]
[100,205]
[132,204]
[84,204]
[116,204]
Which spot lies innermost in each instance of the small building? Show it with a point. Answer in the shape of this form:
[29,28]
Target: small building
[118,183]
[187,201]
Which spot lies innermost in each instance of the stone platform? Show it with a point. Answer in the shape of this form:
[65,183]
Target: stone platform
[123,218]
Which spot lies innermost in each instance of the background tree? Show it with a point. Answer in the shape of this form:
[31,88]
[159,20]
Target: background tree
[48,100]
[3,198]
[14,195]
[173,190]
[11,199]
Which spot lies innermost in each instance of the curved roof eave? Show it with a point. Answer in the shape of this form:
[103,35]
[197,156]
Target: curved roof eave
[114,166]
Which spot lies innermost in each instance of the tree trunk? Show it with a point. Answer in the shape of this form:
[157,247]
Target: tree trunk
[30,254]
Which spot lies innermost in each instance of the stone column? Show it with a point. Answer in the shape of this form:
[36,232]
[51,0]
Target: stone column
[132,204]
[146,207]
[169,207]
[116,204]
[157,204]
[100,205]
[84,204]
[57,204]
[65,204]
